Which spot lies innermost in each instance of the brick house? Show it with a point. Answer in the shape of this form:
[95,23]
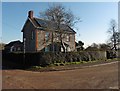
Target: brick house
[38,35]
[14,46]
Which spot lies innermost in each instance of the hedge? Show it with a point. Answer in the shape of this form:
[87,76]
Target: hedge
[47,58]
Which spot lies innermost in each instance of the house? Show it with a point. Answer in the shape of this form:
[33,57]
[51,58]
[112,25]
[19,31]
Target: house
[14,46]
[41,35]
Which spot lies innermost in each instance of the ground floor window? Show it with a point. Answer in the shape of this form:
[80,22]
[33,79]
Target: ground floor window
[46,49]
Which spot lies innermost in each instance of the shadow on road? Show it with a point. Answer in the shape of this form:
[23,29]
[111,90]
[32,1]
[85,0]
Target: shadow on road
[8,65]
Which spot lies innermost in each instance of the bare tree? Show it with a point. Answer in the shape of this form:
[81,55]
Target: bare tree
[114,35]
[60,16]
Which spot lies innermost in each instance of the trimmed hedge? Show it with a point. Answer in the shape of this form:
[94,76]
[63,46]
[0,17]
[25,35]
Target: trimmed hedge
[47,58]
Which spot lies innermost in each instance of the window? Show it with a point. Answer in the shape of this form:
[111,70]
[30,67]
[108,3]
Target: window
[47,34]
[67,38]
[46,49]
[32,35]
[12,49]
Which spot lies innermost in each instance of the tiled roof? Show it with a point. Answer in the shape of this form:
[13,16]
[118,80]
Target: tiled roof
[50,25]
[13,42]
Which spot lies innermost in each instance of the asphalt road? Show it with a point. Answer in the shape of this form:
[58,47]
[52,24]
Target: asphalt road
[92,77]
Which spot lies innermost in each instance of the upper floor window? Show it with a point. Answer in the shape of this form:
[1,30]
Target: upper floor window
[47,35]
[32,35]
[67,38]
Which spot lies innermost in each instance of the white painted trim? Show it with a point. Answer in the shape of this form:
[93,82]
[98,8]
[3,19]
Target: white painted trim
[32,22]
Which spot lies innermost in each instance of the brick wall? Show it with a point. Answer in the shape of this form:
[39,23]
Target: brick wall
[30,38]
[42,42]
[41,39]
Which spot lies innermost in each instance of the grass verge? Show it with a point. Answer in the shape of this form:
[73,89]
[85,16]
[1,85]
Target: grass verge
[53,66]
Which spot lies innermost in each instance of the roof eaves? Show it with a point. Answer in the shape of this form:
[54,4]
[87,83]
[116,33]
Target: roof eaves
[40,28]
[24,25]
[32,22]
[71,29]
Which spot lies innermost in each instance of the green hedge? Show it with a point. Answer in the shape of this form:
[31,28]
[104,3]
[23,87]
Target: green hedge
[47,58]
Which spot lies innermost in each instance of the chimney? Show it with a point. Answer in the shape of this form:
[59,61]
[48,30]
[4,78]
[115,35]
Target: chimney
[30,14]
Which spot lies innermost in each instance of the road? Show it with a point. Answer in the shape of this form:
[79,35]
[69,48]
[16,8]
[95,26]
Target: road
[93,77]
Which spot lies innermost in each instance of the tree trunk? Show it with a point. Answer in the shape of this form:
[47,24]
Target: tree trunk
[114,40]
[52,42]
[62,45]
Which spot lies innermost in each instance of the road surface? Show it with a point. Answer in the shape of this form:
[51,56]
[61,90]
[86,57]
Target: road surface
[93,77]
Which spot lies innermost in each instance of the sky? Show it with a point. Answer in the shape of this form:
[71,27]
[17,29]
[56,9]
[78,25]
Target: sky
[119,19]
[95,18]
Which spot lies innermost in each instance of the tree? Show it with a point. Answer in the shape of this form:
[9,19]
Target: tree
[114,35]
[79,45]
[59,15]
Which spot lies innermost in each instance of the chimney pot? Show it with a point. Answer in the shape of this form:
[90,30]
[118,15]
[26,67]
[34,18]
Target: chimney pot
[30,14]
